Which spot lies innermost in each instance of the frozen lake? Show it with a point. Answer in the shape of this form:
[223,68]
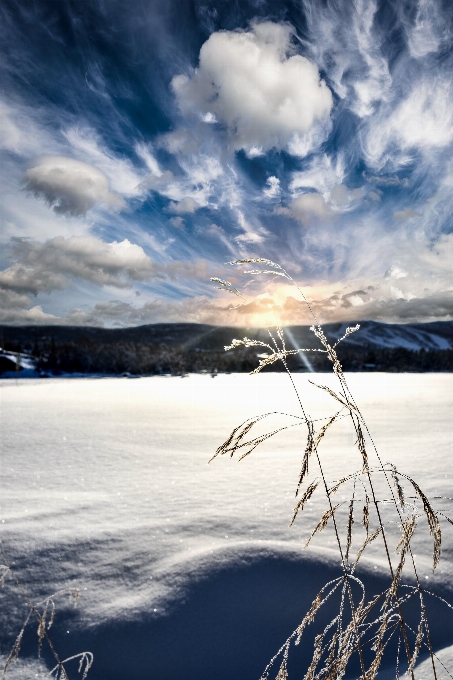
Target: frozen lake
[189,570]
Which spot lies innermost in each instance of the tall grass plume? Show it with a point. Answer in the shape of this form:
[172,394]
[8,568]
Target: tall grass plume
[376,495]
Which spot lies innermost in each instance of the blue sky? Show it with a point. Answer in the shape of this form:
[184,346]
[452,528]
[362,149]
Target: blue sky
[144,144]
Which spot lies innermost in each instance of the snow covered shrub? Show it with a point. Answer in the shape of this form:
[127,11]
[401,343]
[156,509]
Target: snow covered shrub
[380,504]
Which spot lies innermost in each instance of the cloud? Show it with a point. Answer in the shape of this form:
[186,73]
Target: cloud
[34,316]
[343,199]
[254,84]
[124,178]
[15,309]
[118,313]
[145,153]
[177,222]
[429,29]
[346,42]
[405,214]
[273,189]
[43,267]
[388,282]
[372,180]
[390,300]
[250,234]
[32,280]
[70,187]
[322,174]
[186,205]
[395,272]
[415,288]
[307,208]
[425,118]
[218,232]
[21,131]
[178,141]
[59,263]
[194,188]
[160,183]
[422,121]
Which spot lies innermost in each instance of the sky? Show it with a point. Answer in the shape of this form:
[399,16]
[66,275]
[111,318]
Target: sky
[144,145]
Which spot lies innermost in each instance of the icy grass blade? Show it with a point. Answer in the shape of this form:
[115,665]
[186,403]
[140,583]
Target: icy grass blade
[226,285]
[261,260]
[265,271]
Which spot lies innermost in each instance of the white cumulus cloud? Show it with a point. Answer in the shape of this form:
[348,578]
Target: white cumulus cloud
[69,186]
[254,84]
[45,266]
[58,263]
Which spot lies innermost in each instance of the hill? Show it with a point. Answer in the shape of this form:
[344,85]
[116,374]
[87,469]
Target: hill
[186,347]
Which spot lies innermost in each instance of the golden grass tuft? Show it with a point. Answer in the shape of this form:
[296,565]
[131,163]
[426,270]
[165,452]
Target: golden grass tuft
[358,626]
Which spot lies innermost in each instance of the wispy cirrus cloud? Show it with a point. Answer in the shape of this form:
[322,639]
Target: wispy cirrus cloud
[319,134]
[422,122]
[346,42]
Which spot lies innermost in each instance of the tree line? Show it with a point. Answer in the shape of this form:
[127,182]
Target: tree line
[88,356]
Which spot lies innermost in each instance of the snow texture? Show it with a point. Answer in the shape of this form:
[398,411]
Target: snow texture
[188,570]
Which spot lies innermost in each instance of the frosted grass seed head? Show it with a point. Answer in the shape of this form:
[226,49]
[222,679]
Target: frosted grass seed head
[357,624]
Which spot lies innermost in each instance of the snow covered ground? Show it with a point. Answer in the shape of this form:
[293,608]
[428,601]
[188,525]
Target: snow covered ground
[189,570]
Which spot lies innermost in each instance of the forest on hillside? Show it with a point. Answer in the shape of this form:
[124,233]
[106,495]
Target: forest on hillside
[88,354]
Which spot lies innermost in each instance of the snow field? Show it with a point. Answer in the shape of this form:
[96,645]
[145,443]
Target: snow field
[186,569]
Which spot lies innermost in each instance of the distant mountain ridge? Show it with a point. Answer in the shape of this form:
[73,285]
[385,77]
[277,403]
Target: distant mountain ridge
[179,348]
[437,335]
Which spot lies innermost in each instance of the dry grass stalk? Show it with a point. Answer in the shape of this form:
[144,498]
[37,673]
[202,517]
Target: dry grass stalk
[366,514]
[356,623]
[407,530]
[333,394]
[369,539]
[305,498]
[447,518]
[349,528]
[433,522]
[85,663]
[5,572]
[418,644]
[234,442]
[337,485]
[323,522]
[282,673]
[379,648]
[319,600]
[41,629]
[307,453]
[44,625]
[312,445]
[398,487]
[392,591]
[362,447]
[14,653]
